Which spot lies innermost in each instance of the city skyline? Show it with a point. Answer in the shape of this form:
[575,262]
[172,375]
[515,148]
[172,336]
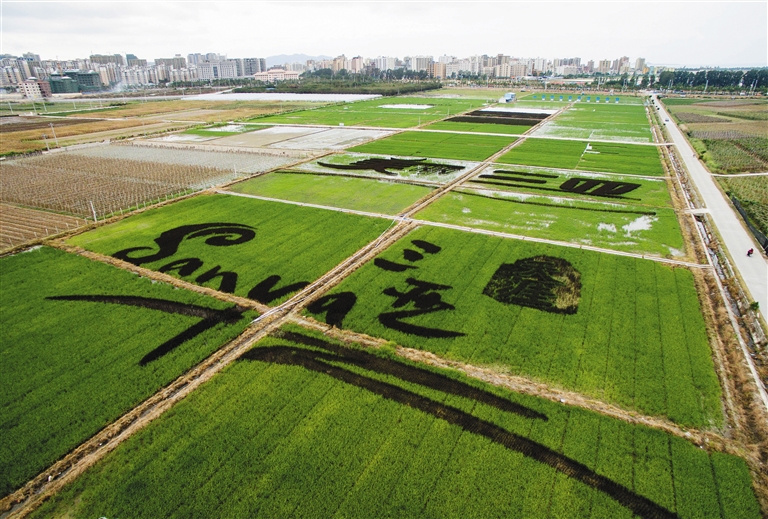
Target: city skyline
[712,34]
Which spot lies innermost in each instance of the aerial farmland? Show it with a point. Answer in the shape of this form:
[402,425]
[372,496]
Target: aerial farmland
[420,306]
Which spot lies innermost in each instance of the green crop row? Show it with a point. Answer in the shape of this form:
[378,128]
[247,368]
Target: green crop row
[302,426]
[72,366]
[263,250]
[371,113]
[611,345]
[510,129]
[360,194]
[631,159]
[628,228]
[649,192]
[437,145]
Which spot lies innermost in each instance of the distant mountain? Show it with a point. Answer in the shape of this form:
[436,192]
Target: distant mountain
[291,58]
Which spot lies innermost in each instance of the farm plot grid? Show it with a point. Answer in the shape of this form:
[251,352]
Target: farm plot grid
[265,251]
[83,343]
[626,123]
[408,112]
[379,196]
[306,427]
[437,145]
[580,319]
[109,179]
[630,159]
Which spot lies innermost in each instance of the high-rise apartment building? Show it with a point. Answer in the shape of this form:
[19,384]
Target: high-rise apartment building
[211,70]
[176,62]
[103,59]
[253,65]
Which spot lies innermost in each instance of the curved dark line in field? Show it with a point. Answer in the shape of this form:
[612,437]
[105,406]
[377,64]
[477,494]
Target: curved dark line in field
[211,317]
[171,344]
[415,375]
[288,355]
[163,305]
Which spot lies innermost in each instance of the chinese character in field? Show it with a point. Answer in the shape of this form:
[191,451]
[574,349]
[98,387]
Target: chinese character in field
[425,298]
[409,255]
[542,282]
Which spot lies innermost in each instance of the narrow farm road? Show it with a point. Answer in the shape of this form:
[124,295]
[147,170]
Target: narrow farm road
[736,239]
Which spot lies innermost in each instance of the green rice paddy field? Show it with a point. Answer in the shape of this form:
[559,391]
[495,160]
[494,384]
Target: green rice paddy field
[507,129]
[650,192]
[619,122]
[613,345]
[361,194]
[254,248]
[630,159]
[614,226]
[305,427]
[437,145]
[70,367]
[371,113]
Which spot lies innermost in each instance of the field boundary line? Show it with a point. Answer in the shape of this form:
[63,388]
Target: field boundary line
[161,277]
[602,141]
[500,234]
[307,204]
[394,180]
[562,243]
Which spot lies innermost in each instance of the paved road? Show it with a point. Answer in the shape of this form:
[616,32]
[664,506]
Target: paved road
[737,240]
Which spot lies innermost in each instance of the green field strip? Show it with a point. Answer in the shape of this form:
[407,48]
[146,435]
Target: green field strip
[70,367]
[601,122]
[620,227]
[269,250]
[360,194]
[509,335]
[597,187]
[370,113]
[509,129]
[437,145]
[268,439]
[631,159]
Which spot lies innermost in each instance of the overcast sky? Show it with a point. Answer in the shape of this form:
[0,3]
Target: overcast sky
[725,34]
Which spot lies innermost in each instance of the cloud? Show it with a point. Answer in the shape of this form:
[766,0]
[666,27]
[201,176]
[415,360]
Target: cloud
[725,33]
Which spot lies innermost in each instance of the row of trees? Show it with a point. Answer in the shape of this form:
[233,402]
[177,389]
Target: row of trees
[755,79]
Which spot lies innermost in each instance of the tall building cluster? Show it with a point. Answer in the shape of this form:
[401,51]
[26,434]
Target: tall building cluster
[100,71]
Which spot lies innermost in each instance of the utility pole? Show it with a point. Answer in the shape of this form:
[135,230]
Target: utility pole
[54,135]
[45,138]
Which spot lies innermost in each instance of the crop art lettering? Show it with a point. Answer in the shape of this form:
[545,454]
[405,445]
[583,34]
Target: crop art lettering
[546,182]
[218,235]
[383,166]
